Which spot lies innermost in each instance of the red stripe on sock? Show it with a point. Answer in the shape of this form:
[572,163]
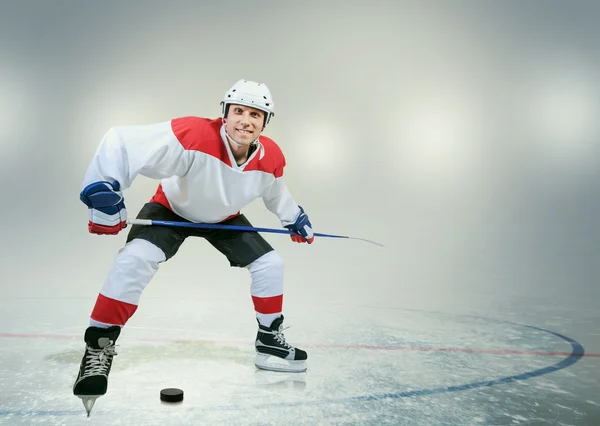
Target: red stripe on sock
[268,305]
[111,311]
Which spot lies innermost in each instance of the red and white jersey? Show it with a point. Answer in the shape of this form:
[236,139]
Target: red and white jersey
[200,180]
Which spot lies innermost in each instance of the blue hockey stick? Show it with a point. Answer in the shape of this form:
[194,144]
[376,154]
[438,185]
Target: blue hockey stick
[234,228]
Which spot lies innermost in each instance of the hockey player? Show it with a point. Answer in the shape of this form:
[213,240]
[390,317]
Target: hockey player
[209,169]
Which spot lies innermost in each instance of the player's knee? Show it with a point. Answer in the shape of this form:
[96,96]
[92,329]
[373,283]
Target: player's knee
[134,267]
[271,262]
[142,254]
[275,261]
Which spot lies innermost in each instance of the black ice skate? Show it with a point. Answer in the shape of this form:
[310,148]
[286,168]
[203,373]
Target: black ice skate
[274,353]
[92,380]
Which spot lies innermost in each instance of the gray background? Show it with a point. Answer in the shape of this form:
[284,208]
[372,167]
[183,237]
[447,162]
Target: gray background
[463,135]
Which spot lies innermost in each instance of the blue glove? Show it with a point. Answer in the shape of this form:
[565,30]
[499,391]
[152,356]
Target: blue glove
[303,229]
[107,208]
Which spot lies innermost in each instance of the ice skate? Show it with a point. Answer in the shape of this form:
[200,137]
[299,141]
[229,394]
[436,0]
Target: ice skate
[274,353]
[92,380]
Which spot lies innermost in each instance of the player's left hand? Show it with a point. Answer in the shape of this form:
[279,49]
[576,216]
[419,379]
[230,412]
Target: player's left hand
[108,214]
[303,229]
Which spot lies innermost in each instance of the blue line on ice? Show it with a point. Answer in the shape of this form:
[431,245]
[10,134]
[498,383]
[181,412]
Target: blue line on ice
[577,352]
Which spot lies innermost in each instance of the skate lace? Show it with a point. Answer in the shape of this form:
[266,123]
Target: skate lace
[98,360]
[281,338]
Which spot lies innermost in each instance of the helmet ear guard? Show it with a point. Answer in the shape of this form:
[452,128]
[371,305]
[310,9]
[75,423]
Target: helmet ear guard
[250,94]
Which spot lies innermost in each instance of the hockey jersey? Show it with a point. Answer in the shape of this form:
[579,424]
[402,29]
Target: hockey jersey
[199,178]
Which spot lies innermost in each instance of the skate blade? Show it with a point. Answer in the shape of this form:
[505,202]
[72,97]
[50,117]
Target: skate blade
[280,382]
[272,363]
[88,403]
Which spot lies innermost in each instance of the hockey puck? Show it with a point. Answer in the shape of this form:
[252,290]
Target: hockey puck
[171,395]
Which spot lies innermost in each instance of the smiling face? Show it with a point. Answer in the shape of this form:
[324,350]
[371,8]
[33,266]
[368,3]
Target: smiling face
[244,124]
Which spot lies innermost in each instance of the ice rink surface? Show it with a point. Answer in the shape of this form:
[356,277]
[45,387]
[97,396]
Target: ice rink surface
[369,365]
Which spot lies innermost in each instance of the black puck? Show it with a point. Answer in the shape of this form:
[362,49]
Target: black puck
[171,395]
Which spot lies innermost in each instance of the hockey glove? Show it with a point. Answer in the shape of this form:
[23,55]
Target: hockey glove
[107,208]
[303,229]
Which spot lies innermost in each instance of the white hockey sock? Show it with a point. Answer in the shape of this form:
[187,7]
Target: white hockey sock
[267,319]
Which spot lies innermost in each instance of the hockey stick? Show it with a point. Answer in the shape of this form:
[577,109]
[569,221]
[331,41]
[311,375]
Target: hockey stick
[234,228]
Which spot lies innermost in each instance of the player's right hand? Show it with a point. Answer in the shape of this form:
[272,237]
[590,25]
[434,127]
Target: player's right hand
[107,208]
[302,228]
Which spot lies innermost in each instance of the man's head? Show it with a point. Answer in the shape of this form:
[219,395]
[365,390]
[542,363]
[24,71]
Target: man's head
[244,124]
[247,109]
[250,94]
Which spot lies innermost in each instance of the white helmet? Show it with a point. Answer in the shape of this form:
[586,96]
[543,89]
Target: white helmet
[252,94]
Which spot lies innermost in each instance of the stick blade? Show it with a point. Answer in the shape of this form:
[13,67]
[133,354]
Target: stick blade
[366,241]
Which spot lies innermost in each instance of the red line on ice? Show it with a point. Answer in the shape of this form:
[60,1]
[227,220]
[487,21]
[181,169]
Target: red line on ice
[364,347]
